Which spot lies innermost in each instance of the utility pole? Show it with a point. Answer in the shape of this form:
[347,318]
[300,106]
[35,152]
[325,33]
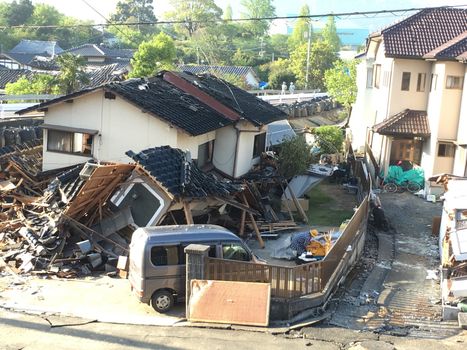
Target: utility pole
[308,55]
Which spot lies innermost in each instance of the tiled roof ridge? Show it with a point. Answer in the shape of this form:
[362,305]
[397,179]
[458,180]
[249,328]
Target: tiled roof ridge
[447,45]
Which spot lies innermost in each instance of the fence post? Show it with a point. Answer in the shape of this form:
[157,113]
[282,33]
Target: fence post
[195,265]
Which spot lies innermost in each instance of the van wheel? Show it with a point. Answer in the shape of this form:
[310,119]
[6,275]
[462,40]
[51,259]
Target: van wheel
[162,301]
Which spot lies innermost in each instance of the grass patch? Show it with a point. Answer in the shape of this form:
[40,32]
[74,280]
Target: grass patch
[324,210]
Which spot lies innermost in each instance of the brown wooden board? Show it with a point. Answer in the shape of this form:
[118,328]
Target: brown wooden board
[98,188]
[244,303]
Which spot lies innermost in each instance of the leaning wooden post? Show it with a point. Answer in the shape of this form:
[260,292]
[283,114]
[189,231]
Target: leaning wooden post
[253,222]
[196,255]
[188,215]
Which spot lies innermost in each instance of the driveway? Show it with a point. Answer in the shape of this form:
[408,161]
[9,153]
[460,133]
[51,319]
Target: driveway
[101,299]
[395,288]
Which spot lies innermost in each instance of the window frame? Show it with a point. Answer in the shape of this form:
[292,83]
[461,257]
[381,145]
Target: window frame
[72,145]
[421,82]
[369,77]
[166,246]
[259,144]
[451,82]
[449,150]
[377,76]
[405,82]
[433,82]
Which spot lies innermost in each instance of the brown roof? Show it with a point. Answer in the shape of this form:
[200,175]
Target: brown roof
[406,123]
[450,50]
[423,32]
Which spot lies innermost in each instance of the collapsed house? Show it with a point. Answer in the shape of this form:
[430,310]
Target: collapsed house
[453,247]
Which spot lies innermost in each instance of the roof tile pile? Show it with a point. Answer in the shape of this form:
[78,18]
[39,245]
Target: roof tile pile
[179,175]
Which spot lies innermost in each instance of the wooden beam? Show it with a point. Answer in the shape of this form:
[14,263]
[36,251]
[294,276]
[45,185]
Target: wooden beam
[242,224]
[238,205]
[297,204]
[287,202]
[188,215]
[253,222]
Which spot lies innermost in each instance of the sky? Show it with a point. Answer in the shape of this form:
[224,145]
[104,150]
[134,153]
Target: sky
[79,9]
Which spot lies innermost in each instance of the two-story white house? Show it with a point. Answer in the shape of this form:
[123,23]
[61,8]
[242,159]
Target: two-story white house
[221,125]
[411,102]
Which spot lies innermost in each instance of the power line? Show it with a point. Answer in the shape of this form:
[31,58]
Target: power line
[153,23]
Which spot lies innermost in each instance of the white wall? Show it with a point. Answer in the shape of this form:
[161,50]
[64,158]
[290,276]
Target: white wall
[191,143]
[121,127]
[460,161]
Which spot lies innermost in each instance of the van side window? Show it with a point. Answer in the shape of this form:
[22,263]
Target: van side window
[161,256]
[235,251]
[211,253]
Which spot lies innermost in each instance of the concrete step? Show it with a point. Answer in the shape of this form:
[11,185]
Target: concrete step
[462,318]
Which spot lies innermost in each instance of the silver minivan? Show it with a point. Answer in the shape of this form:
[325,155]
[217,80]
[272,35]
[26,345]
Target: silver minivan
[157,260]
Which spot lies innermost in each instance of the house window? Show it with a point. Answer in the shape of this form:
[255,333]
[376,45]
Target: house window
[205,152]
[377,75]
[260,145]
[405,86]
[369,78]
[445,149]
[69,142]
[454,82]
[421,81]
[434,80]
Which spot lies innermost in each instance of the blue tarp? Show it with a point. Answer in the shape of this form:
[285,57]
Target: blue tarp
[397,175]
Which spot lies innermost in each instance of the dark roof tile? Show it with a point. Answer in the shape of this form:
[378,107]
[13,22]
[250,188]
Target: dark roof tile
[423,32]
[408,123]
[172,168]
[247,105]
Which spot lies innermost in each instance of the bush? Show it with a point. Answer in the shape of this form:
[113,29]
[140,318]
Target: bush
[329,139]
[294,157]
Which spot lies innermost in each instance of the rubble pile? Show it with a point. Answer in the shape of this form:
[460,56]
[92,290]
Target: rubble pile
[36,231]
[308,108]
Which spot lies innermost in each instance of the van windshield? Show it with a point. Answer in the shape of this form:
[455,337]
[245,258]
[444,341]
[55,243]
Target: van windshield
[235,251]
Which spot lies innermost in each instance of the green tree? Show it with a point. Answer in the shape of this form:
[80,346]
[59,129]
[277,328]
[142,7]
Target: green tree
[134,11]
[322,57]
[72,75]
[257,9]
[329,34]
[279,45]
[294,157]
[153,56]
[341,82]
[301,29]
[19,12]
[280,72]
[329,139]
[38,84]
[196,14]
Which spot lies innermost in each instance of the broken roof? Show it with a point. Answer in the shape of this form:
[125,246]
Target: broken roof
[245,104]
[423,32]
[160,99]
[176,172]
[12,75]
[408,122]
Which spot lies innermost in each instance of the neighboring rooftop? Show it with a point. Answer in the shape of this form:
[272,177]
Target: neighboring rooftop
[245,104]
[408,122]
[12,75]
[93,50]
[423,32]
[220,70]
[450,50]
[175,171]
[37,47]
[106,74]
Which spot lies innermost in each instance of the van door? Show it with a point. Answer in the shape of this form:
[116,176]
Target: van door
[235,251]
[166,270]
